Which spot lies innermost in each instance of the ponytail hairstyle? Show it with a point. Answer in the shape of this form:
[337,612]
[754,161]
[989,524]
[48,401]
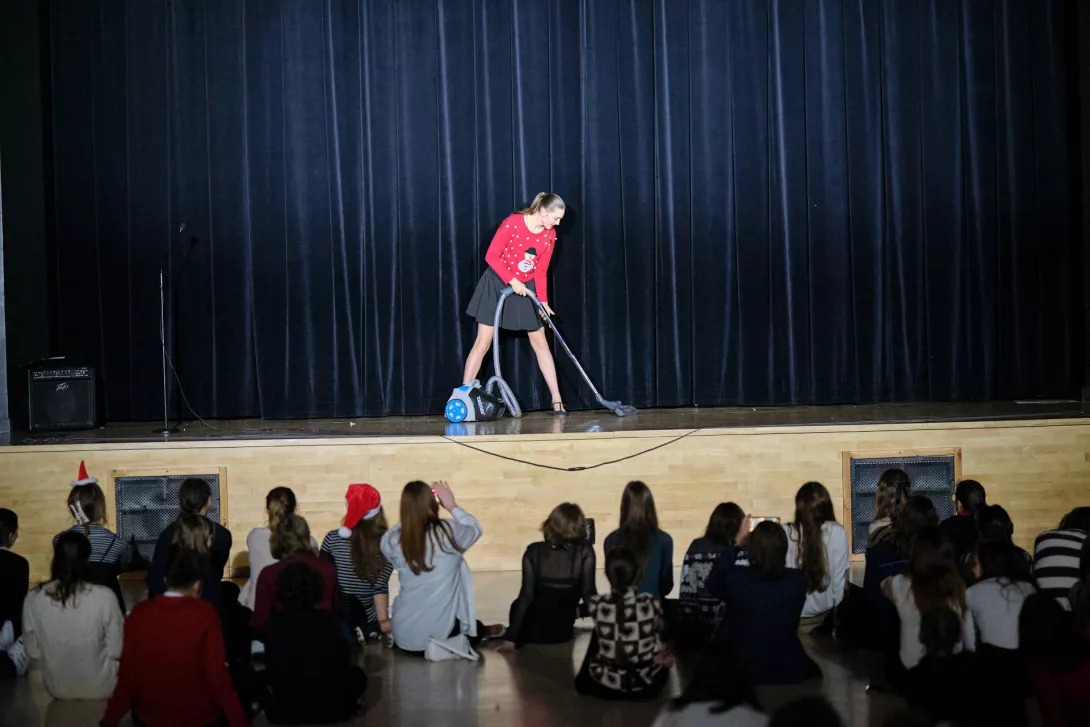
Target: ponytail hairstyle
[544,201]
[623,572]
[87,503]
[891,494]
[71,552]
[192,532]
[367,560]
[292,537]
[971,496]
[193,495]
[813,508]
[279,503]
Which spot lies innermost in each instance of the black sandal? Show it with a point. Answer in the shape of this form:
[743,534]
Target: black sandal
[561,412]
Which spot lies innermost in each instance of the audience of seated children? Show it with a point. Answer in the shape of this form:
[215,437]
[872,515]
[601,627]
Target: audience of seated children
[890,497]
[1003,583]
[173,664]
[639,533]
[14,583]
[278,503]
[762,603]
[309,676]
[626,658]
[363,573]
[718,693]
[292,544]
[436,596]
[1056,555]
[1059,658]
[557,577]
[194,498]
[87,505]
[818,546]
[932,582]
[73,627]
[698,613]
[963,528]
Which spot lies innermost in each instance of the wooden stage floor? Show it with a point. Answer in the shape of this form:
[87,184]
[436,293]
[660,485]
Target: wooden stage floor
[594,421]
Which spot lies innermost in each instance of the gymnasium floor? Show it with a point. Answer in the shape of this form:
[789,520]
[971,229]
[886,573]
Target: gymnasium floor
[530,689]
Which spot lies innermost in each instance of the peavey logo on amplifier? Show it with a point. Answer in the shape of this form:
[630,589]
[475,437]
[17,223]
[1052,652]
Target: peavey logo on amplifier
[61,387]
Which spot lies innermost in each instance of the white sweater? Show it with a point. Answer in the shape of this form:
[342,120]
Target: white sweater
[836,559]
[429,604]
[78,645]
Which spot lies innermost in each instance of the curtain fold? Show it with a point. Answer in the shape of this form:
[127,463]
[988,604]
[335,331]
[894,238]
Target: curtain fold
[769,201]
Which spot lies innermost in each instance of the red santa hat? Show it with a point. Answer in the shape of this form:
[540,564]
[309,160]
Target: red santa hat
[83,478]
[363,503]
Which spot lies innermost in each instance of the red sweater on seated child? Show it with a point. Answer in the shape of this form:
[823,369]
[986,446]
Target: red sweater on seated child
[173,669]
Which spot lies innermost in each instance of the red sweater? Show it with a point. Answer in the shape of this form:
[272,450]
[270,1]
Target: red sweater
[173,669]
[265,595]
[516,252]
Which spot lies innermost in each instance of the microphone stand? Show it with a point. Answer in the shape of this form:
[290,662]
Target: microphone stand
[167,429]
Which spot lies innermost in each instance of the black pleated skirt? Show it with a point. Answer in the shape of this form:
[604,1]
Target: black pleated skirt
[518,311]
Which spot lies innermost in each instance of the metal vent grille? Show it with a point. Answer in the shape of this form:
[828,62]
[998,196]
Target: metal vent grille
[146,505]
[932,477]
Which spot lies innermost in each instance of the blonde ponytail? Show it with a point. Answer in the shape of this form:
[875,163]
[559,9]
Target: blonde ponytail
[544,201]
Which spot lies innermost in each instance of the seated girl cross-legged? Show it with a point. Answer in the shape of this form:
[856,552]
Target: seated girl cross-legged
[626,658]
[557,574]
[436,597]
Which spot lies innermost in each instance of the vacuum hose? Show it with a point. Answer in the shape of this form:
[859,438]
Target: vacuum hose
[497,382]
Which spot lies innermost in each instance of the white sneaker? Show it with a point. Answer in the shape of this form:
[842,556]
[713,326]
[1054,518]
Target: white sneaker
[17,653]
[7,636]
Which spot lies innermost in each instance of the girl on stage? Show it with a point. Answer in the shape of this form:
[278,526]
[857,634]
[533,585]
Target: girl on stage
[518,256]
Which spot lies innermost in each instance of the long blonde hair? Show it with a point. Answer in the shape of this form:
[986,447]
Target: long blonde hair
[544,201]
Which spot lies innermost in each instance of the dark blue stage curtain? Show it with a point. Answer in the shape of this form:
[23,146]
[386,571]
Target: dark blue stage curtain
[770,201]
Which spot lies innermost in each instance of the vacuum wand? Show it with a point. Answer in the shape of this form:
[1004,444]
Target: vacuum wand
[616,407]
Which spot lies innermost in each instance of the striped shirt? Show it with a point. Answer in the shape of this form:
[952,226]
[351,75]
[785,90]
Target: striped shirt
[1056,562]
[105,546]
[349,583]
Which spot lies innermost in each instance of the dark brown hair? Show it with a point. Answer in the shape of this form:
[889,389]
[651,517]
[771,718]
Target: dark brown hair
[891,493]
[639,522]
[190,531]
[623,572]
[298,587]
[292,537]
[768,550]
[420,523]
[91,500]
[936,582]
[971,496]
[940,631]
[565,524]
[367,560]
[813,508]
[193,495]
[71,552]
[724,523]
[918,513]
[279,502]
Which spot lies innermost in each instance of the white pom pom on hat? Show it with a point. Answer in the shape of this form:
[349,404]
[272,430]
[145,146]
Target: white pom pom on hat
[364,502]
[82,478]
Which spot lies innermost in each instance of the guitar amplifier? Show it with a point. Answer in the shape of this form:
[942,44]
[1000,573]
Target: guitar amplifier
[61,398]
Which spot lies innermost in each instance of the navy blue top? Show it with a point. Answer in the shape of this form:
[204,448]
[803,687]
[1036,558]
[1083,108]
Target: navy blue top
[658,576]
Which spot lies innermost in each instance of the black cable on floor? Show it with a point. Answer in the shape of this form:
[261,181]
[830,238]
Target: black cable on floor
[572,469]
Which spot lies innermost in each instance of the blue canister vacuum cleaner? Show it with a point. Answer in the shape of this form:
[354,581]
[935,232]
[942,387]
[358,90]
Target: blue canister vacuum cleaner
[471,403]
